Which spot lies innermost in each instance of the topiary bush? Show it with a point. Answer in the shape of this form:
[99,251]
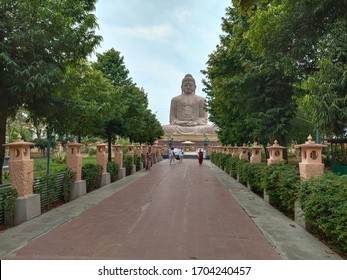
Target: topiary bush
[128,164]
[92,174]
[113,168]
[281,182]
[255,173]
[324,202]
[243,169]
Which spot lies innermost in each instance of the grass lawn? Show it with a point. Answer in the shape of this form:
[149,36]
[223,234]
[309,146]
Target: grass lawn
[40,165]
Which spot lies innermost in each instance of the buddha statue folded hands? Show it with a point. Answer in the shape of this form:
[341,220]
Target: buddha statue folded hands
[187,112]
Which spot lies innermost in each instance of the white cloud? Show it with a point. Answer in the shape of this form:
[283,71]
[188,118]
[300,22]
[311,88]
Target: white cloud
[153,32]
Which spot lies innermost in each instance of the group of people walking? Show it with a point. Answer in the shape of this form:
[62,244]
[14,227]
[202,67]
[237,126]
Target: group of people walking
[173,155]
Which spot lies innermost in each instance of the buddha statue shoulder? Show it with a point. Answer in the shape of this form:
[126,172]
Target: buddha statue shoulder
[187,111]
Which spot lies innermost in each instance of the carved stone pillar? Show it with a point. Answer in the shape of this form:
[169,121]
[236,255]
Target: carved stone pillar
[101,159]
[256,154]
[28,204]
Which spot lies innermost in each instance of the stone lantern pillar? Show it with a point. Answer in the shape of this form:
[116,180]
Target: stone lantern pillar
[138,155]
[101,159]
[256,154]
[131,153]
[144,151]
[235,152]
[311,159]
[118,157]
[310,165]
[275,152]
[59,148]
[160,152]
[74,163]
[244,152]
[28,204]
[154,153]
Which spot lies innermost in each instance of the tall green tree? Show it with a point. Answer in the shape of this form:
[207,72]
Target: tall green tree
[310,39]
[38,39]
[249,95]
[132,99]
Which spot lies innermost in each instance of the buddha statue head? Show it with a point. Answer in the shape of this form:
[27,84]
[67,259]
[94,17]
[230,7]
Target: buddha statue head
[188,84]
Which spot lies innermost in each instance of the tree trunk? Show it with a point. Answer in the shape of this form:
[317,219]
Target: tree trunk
[3,119]
[283,142]
[109,143]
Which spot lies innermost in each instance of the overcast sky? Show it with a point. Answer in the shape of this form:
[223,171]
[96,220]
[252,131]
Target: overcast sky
[161,41]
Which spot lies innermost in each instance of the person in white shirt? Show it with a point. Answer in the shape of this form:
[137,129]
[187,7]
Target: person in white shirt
[180,154]
[172,155]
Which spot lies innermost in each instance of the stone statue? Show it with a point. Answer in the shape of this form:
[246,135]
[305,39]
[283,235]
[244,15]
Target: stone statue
[187,112]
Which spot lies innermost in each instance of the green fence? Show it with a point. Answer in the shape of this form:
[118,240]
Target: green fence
[50,193]
[339,169]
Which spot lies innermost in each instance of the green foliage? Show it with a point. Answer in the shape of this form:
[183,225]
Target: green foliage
[33,63]
[242,168]
[231,166]
[324,202]
[128,163]
[281,181]
[48,188]
[281,55]
[92,174]
[68,182]
[137,161]
[59,157]
[113,168]
[255,175]
[92,152]
[8,205]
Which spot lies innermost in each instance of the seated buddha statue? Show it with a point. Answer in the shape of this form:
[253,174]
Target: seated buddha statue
[187,111]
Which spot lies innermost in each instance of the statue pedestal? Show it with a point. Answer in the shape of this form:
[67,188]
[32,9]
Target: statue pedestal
[196,139]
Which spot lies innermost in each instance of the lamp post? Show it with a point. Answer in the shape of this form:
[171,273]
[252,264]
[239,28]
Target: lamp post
[170,141]
[205,141]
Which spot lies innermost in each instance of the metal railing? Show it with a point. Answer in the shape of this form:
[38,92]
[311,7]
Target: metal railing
[51,191]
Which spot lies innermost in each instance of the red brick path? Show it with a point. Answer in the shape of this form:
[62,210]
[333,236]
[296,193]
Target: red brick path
[177,211]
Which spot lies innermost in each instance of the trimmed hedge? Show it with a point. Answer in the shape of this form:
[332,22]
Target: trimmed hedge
[324,202]
[92,174]
[128,164]
[323,199]
[113,168]
[281,182]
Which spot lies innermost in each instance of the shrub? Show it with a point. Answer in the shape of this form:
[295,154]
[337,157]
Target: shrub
[137,161]
[59,157]
[281,181]
[128,163]
[92,174]
[113,169]
[324,202]
[48,188]
[69,178]
[8,204]
[92,152]
[255,173]
[243,169]
[231,166]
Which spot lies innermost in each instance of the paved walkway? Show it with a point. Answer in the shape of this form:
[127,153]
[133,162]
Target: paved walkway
[182,211]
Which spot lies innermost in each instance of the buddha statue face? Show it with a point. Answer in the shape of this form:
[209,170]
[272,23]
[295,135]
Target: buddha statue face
[188,84]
